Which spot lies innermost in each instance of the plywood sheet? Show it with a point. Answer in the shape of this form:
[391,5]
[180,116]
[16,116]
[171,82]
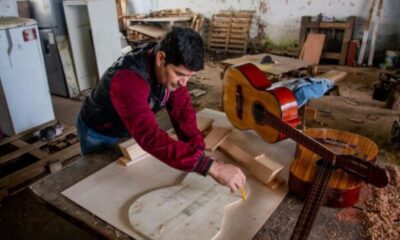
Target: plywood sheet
[312,48]
[110,192]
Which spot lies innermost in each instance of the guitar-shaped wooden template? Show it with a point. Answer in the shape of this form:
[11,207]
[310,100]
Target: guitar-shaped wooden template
[193,209]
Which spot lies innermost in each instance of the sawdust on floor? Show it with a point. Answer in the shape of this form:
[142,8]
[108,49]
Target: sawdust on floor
[382,211]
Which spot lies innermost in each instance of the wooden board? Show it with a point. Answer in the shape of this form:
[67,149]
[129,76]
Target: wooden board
[216,137]
[179,211]
[312,48]
[149,30]
[109,193]
[281,65]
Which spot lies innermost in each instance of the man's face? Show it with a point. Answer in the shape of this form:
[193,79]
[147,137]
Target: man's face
[170,75]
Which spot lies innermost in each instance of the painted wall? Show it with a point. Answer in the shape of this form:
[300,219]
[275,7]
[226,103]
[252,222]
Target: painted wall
[280,19]
[8,8]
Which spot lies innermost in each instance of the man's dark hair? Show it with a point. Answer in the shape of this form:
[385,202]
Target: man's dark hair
[183,46]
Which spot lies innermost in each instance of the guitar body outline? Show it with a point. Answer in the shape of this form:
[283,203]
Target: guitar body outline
[279,101]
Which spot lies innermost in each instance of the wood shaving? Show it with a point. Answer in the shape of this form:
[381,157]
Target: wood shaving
[382,210]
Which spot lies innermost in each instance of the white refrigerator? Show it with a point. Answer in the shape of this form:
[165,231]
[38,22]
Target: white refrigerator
[25,100]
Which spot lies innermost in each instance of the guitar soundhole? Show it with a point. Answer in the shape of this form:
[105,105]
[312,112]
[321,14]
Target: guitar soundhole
[325,164]
[259,113]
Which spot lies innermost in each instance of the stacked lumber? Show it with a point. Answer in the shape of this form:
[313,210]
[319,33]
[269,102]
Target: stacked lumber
[229,31]
[187,12]
[24,158]
[140,32]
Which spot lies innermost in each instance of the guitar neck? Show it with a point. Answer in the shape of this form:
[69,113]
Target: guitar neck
[299,137]
[312,203]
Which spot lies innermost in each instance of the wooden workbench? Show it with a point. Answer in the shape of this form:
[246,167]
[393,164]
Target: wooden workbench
[279,226]
[281,66]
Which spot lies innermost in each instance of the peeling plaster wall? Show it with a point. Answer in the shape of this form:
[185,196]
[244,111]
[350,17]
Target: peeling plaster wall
[281,18]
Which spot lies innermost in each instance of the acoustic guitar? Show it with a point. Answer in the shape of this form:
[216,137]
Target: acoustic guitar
[250,103]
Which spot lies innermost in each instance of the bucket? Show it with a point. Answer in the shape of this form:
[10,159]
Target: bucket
[392,59]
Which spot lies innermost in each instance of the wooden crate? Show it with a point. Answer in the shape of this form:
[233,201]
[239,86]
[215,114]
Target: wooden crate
[24,158]
[229,31]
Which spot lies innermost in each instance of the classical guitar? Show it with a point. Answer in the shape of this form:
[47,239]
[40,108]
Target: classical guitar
[250,103]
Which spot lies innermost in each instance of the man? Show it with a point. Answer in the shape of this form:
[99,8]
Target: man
[138,85]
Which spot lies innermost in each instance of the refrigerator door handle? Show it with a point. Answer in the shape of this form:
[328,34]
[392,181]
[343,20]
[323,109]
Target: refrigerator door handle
[10,45]
[46,44]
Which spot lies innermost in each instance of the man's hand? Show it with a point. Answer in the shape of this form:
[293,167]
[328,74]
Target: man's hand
[228,175]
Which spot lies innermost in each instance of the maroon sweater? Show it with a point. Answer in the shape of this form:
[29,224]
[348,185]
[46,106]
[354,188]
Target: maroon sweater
[129,94]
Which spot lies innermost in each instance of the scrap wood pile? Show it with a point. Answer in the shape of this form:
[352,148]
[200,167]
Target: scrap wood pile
[151,27]
[187,12]
[229,31]
[382,210]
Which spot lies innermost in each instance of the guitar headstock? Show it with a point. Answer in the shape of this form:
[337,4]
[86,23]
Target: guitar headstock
[366,170]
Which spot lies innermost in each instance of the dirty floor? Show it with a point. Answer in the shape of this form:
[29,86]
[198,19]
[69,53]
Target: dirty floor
[350,108]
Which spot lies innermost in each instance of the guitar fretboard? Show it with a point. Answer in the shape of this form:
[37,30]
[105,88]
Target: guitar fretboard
[321,179]
[299,137]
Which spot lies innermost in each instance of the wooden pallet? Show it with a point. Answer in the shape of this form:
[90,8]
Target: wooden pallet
[24,158]
[229,31]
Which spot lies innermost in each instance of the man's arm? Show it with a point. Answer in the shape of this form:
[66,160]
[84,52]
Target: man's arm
[183,118]
[128,93]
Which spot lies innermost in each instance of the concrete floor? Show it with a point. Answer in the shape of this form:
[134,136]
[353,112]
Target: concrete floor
[23,217]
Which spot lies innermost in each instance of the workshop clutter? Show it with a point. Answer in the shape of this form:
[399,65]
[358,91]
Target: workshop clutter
[27,157]
[153,26]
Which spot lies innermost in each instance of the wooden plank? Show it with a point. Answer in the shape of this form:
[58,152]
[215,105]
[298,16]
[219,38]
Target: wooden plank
[335,25]
[132,152]
[374,34]
[312,48]
[204,123]
[282,64]
[262,167]
[303,32]
[216,137]
[331,55]
[29,131]
[149,30]
[218,45]
[310,114]
[372,12]
[236,153]
[182,210]
[348,35]
[33,146]
[265,169]
[38,153]
[334,75]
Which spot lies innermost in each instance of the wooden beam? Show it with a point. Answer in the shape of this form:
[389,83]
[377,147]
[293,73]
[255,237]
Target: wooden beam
[216,137]
[265,169]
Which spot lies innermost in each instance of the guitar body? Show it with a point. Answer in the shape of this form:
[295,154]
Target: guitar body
[343,189]
[245,95]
